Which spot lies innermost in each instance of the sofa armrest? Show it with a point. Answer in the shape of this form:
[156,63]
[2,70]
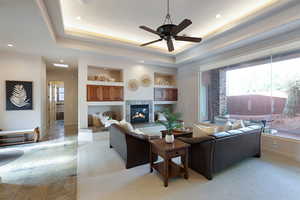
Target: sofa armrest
[138,136]
[195,140]
[201,154]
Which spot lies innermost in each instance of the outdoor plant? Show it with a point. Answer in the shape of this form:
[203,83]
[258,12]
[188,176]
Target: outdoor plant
[293,99]
[172,121]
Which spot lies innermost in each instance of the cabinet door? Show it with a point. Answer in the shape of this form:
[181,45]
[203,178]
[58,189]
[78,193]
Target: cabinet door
[165,94]
[112,93]
[159,94]
[92,93]
[116,93]
[106,93]
[173,95]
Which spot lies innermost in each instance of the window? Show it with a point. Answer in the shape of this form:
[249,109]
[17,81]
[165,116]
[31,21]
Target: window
[60,94]
[267,92]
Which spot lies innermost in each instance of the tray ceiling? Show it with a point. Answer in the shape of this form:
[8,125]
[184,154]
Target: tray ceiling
[119,20]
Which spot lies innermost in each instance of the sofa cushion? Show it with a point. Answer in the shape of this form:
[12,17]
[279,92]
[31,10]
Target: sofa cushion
[255,127]
[220,134]
[234,132]
[248,130]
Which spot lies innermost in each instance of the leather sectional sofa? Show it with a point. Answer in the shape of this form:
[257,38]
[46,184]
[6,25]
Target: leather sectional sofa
[211,154]
[133,148]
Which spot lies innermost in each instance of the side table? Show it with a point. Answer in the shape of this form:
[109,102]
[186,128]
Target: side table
[167,168]
[180,133]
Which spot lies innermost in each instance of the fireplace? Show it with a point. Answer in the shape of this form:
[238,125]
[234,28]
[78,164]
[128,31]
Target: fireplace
[133,104]
[139,113]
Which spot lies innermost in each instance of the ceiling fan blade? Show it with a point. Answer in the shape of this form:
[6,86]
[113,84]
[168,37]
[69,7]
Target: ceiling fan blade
[149,30]
[188,39]
[170,44]
[151,42]
[185,23]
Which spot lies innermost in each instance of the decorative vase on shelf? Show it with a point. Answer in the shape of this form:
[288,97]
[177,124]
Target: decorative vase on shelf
[169,138]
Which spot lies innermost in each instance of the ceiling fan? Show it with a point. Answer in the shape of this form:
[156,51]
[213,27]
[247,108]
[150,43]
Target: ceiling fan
[169,31]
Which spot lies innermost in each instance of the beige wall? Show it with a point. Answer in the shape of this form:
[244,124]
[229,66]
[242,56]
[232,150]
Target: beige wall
[21,67]
[188,95]
[69,77]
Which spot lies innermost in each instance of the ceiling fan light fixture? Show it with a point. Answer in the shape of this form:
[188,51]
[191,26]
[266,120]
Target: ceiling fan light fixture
[168,31]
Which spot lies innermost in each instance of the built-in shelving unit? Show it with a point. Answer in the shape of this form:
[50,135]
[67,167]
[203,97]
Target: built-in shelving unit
[164,86]
[105,83]
[165,90]
[164,102]
[164,80]
[105,75]
[105,92]
[106,103]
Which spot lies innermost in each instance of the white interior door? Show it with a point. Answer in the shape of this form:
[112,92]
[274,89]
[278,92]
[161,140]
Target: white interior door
[52,103]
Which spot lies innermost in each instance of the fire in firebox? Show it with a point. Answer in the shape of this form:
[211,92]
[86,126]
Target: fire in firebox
[138,115]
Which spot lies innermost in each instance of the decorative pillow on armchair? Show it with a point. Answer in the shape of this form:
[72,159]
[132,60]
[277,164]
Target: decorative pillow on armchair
[126,125]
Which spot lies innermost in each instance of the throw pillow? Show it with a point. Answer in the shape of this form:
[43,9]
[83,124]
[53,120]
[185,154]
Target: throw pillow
[103,119]
[238,124]
[228,126]
[126,125]
[161,117]
[200,131]
[96,121]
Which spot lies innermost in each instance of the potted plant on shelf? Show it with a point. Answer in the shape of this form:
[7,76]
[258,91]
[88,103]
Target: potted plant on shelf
[172,122]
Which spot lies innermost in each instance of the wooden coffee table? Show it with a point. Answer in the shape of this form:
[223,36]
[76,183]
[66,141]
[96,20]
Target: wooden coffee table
[167,168]
[178,133]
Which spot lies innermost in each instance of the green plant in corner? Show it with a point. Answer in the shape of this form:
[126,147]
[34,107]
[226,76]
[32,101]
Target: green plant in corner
[172,121]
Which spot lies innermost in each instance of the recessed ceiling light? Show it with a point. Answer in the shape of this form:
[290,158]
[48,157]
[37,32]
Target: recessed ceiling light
[60,65]
[10,45]
[78,18]
[61,61]
[218,16]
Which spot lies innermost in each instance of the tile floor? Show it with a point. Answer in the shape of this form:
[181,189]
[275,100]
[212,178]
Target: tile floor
[41,171]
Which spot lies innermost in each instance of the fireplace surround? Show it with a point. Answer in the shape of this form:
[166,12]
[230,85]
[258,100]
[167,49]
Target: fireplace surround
[138,108]
[139,113]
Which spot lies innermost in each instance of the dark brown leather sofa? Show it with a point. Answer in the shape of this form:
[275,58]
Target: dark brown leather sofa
[211,154]
[133,148]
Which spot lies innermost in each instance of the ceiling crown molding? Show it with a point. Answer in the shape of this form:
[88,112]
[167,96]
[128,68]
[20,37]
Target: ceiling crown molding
[232,36]
[44,12]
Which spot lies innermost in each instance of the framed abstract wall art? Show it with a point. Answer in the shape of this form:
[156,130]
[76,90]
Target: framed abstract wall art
[19,95]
